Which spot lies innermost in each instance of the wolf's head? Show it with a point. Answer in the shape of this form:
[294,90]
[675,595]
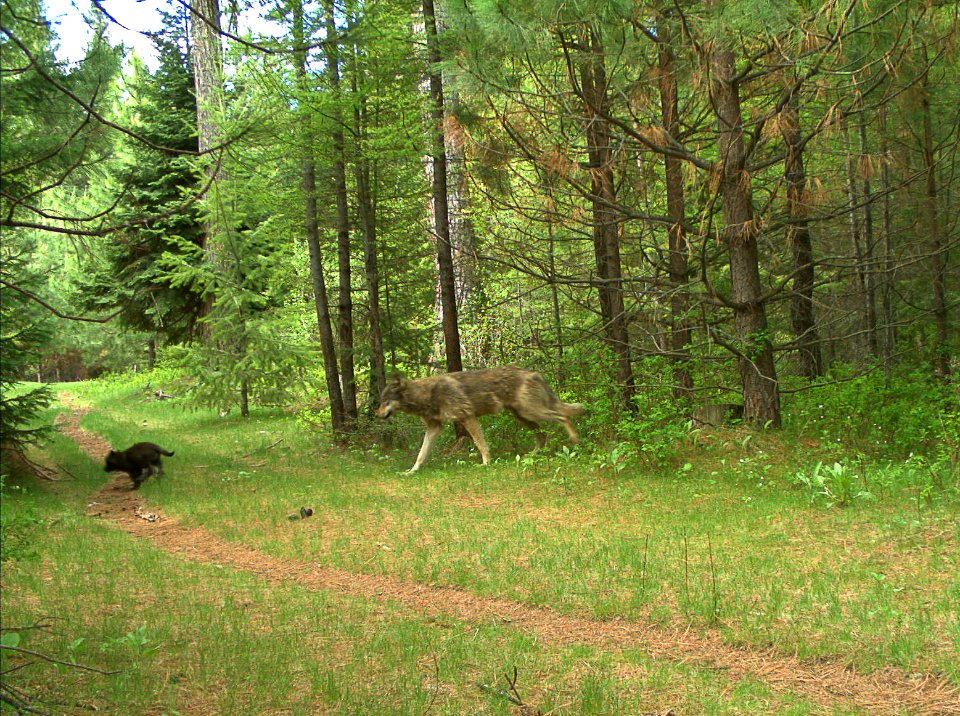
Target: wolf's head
[391,397]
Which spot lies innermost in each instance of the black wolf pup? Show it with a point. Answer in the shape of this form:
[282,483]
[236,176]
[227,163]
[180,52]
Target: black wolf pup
[463,397]
[139,461]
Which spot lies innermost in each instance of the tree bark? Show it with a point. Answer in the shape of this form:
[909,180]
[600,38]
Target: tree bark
[463,238]
[321,302]
[758,375]
[864,330]
[606,239]
[869,270]
[887,316]
[367,215]
[447,280]
[206,56]
[345,296]
[798,239]
[677,241]
[941,361]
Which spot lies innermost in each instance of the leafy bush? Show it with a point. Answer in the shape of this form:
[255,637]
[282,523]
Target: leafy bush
[660,423]
[899,416]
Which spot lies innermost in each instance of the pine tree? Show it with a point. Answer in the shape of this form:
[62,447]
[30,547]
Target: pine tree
[133,270]
[24,330]
[50,137]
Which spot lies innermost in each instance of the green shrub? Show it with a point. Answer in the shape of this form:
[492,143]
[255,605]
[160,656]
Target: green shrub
[895,417]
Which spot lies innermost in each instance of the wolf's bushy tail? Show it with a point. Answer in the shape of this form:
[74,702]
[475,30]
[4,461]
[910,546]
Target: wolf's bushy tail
[168,453]
[572,410]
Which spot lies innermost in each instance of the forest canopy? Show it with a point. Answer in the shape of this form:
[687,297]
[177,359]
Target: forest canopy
[660,205]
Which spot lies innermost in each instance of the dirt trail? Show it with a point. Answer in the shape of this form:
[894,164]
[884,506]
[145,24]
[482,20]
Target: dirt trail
[888,691]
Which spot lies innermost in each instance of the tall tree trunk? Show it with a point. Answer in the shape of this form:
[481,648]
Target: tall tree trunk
[309,176]
[463,238]
[448,293]
[555,302]
[244,398]
[859,243]
[206,56]
[324,325]
[367,215]
[606,239]
[758,375]
[677,242]
[937,253]
[887,318]
[870,279]
[799,241]
[345,302]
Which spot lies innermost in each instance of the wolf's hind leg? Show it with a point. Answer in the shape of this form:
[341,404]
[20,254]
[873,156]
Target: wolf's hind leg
[476,432]
[534,426]
[429,438]
[571,432]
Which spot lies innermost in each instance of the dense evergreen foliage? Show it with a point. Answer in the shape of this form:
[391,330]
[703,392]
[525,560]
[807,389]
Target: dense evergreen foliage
[155,207]
[661,205]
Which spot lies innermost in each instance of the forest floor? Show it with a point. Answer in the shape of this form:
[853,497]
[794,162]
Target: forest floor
[826,683]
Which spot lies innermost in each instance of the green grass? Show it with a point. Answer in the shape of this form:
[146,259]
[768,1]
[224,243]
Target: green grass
[189,638]
[727,541]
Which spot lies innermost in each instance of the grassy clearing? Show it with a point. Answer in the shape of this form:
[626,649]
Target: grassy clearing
[197,639]
[725,541]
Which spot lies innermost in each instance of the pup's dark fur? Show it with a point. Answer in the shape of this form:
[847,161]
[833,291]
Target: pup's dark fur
[462,397]
[139,461]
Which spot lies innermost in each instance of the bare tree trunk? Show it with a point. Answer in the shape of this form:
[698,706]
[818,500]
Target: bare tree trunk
[463,237]
[448,294]
[325,329]
[677,241]
[758,375]
[799,241]
[308,171]
[345,300]
[870,297]
[244,398]
[606,239]
[859,241]
[937,258]
[206,55]
[367,215]
[887,318]
[555,303]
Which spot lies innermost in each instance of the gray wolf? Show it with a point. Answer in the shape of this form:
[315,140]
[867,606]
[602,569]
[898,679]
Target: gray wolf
[464,396]
[139,461]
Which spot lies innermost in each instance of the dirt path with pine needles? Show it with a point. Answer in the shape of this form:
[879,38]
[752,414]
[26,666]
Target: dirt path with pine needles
[825,683]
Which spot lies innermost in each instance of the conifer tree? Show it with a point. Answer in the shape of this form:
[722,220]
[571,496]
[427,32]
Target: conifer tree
[156,191]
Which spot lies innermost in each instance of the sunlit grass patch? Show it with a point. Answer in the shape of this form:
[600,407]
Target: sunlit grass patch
[198,638]
[724,542]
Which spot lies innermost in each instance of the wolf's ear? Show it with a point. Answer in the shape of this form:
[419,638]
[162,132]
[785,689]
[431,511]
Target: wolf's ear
[394,378]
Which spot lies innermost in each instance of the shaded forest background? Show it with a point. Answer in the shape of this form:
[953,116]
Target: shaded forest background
[660,205]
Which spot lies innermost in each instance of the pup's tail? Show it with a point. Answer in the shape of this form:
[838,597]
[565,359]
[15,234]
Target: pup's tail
[168,453]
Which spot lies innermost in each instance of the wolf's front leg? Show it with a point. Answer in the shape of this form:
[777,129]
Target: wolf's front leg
[429,438]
